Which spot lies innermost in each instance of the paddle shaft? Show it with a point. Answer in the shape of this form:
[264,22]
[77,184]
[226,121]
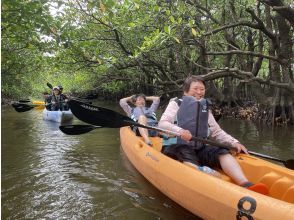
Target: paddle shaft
[288,163]
[266,156]
[205,141]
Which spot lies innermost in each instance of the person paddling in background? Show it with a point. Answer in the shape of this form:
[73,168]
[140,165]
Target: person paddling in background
[58,100]
[194,119]
[47,100]
[141,113]
[64,97]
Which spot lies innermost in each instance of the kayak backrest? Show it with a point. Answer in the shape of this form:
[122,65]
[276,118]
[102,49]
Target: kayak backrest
[280,187]
[157,143]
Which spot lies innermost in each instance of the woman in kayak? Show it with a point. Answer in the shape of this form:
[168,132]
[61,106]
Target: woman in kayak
[195,119]
[63,97]
[141,113]
[59,101]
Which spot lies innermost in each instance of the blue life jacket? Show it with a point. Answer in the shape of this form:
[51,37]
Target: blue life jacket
[150,115]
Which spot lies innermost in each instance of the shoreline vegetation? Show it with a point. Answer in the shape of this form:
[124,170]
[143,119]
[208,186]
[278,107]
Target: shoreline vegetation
[250,111]
[242,49]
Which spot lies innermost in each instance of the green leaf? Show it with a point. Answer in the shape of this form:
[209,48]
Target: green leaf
[194,32]
[177,40]
[172,19]
[167,29]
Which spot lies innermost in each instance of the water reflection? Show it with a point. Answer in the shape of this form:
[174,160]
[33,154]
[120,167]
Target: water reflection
[276,142]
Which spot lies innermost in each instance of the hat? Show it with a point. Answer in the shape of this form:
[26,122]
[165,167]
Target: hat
[56,87]
[60,87]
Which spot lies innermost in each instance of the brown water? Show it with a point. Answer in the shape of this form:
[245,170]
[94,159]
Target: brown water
[49,175]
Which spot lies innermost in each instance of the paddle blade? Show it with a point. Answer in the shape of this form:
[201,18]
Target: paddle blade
[24,101]
[289,164]
[49,85]
[21,107]
[76,129]
[99,116]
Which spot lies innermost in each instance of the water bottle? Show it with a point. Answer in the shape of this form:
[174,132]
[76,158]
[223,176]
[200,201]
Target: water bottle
[209,171]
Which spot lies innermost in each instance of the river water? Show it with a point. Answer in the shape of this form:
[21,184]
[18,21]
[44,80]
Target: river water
[49,175]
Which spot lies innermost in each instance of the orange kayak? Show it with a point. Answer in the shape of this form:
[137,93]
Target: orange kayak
[209,197]
[41,103]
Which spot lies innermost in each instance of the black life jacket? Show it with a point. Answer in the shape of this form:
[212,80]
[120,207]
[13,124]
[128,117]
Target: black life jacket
[59,102]
[193,116]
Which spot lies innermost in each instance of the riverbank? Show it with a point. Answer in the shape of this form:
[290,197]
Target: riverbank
[252,112]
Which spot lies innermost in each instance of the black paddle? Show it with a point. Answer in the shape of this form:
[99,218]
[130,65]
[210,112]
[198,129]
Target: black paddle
[22,107]
[24,101]
[77,129]
[103,117]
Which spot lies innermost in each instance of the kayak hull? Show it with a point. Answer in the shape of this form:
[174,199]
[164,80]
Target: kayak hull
[57,116]
[209,197]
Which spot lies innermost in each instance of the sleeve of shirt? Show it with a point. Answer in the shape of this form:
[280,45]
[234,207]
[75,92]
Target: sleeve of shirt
[168,117]
[154,105]
[123,103]
[218,134]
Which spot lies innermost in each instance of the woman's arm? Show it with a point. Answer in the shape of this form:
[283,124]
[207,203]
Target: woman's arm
[125,106]
[155,102]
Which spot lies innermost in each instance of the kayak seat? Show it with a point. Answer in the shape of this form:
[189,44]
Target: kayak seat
[156,143]
[289,195]
[279,187]
[269,179]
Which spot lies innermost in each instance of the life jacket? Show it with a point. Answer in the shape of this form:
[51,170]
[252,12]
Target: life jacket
[193,116]
[151,116]
[59,102]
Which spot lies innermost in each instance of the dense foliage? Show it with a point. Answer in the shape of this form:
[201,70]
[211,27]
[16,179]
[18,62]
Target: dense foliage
[117,47]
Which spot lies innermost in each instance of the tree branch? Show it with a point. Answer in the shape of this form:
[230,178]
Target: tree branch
[285,11]
[246,53]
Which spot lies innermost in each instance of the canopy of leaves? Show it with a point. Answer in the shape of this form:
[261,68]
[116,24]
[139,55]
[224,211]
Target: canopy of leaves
[125,46]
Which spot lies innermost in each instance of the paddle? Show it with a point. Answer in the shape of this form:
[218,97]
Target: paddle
[288,163]
[77,129]
[22,107]
[107,118]
[24,101]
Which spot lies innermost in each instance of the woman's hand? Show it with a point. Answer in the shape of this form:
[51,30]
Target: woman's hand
[240,148]
[185,135]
